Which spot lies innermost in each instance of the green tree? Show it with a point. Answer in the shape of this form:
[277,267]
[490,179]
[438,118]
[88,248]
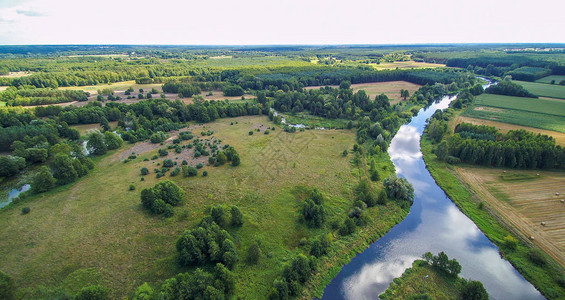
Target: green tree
[442,151]
[43,181]
[112,140]
[474,290]
[235,160]
[398,188]
[63,169]
[95,144]
[221,158]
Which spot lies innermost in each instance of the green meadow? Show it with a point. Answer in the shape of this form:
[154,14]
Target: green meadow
[544,90]
[76,235]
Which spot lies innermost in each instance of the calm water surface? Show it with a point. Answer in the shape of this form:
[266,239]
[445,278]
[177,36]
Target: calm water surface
[434,224]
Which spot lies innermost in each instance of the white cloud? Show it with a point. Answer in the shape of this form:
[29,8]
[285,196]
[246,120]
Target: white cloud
[282,22]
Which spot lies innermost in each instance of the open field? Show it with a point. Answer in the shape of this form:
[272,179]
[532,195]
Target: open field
[548,114]
[406,65]
[390,88]
[83,128]
[17,74]
[548,79]
[505,127]
[525,200]
[544,90]
[117,86]
[102,235]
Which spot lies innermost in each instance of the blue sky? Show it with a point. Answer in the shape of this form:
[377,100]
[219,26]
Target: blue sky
[280,22]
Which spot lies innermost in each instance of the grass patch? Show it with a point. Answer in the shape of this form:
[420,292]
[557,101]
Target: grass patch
[390,88]
[518,177]
[550,78]
[544,90]
[315,121]
[2,103]
[544,278]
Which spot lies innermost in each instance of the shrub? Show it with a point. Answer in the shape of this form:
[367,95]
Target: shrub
[6,286]
[510,242]
[163,193]
[236,217]
[253,254]
[266,131]
[26,210]
[250,132]
[93,292]
[452,160]
[536,257]
[168,163]
[348,227]
[144,171]
[158,137]
[175,172]
[112,140]
[221,158]
[345,152]
[163,152]
[154,157]
[131,187]
[320,246]
[235,160]
[199,166]
[205,173]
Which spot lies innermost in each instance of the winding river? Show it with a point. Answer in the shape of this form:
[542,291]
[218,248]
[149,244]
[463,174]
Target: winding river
[434,224]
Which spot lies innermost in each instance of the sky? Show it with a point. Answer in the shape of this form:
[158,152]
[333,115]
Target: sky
[262,22]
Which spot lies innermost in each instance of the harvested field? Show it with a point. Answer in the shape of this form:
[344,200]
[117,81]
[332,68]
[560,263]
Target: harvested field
[389,88]
[505,127]
[525,200]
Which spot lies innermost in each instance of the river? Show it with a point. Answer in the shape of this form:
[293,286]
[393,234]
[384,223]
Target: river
[434,224]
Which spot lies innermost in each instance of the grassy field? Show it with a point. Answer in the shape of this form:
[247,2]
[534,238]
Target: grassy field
[406,65]
[116,86]
[83,128]
[315,121]
[526,200]
[548,79]
[505,127]
[95,231]
[391,89]
[546,114]
[436,284]
[544,90]
[493,225]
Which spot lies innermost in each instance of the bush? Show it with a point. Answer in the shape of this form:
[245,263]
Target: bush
[320,246]
[236,217]
[348,227]
[163,193]
[131,187]
[175,172]
[163,152]
[452,160]
[93,292]
[158,137]
[6,287]
[205,173]
[26,210]
[168,163]
[235,160]
[199,166]
[144,171]
[266,131]
[510,242]
[250,132]
[536,257]
[253,254]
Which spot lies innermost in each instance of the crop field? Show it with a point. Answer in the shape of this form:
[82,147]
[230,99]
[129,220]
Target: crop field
[548,114]
[390,88]
[548,79]
[525,200]
[544,90]
[107,238]
[505,127]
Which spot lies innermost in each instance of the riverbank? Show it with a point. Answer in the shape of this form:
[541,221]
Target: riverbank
[545,278]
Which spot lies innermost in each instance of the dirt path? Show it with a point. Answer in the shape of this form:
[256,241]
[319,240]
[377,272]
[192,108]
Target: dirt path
[512,215]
